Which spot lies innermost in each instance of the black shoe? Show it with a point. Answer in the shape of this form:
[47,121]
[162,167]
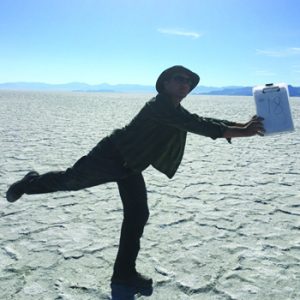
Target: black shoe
[17,189]
[137,284]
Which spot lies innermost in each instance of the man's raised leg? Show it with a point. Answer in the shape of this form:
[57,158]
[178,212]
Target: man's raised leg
[103,164]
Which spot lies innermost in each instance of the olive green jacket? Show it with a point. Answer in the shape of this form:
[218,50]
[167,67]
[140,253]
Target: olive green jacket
[157,135]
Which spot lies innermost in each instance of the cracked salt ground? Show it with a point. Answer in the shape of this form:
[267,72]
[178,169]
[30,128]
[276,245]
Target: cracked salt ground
[225,227]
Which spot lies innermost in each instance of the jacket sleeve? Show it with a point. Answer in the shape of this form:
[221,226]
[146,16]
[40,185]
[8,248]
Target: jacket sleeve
[182,119]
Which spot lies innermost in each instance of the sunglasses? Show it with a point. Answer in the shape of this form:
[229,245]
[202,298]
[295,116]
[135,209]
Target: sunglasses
[182,79]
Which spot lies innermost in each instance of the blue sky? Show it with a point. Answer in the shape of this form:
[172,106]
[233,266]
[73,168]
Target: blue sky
[227,42]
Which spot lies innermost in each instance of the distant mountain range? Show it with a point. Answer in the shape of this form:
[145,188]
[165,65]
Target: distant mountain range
[131,88]
[247,91]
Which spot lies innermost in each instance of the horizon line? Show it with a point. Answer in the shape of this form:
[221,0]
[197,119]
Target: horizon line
[128,84]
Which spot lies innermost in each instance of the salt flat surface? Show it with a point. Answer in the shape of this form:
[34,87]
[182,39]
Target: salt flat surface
[225,227]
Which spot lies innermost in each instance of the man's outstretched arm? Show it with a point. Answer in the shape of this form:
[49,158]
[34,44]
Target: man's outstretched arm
[253,127]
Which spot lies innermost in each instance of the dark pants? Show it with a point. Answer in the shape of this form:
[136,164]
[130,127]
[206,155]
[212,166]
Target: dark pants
[105,164]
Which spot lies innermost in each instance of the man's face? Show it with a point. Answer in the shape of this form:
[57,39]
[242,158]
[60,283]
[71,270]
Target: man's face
[178,86]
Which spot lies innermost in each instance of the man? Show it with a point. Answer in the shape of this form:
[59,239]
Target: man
[156,136]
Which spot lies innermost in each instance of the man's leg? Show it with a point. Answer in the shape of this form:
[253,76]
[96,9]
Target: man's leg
[103,164]
[134,198]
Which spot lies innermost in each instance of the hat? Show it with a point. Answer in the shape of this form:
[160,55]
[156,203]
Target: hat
[168,73]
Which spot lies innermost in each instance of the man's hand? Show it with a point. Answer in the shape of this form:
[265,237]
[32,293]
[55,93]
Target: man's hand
[254,126]
[251,128]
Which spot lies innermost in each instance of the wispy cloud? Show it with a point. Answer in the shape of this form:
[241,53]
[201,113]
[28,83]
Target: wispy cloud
[296,69]
[264,73]
[279,53]
[180,32]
